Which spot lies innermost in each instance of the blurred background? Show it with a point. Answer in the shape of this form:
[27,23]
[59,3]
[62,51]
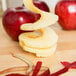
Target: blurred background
[4,4]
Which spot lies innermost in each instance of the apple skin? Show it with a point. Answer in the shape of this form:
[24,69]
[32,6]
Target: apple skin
[66,10]
[41,5]
[13,18]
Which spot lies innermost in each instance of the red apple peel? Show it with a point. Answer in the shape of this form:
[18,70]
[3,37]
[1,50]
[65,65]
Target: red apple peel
[67,63]
[37,68]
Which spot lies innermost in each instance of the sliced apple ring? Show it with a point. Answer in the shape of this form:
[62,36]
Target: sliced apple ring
[46,19]
[39,39]
[45,52]
[43,40]
[29,5]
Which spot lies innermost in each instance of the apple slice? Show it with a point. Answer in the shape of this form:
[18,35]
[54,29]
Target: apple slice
[29,4]
[42,38]
[45,20]
[40,52]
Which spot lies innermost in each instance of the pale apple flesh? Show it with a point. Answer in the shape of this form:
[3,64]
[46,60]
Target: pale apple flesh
[43,40]
[44,52]
[45,20]
[43,44]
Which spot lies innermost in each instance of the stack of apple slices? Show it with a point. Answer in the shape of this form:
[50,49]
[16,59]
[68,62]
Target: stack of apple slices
[43,40]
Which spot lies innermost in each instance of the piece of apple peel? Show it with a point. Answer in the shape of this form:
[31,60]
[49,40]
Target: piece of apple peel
[21,70]
[24,70]
[25,60]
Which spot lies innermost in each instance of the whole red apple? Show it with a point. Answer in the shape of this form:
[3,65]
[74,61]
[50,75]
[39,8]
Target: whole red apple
[66,10]
[13,18]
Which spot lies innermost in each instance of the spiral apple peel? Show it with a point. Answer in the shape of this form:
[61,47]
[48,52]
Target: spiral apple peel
[43,40]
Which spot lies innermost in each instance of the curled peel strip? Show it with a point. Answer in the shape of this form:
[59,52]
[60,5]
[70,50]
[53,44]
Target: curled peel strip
[21,70]
[43,40]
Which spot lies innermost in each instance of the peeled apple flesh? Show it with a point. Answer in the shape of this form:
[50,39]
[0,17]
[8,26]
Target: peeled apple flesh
[43,40]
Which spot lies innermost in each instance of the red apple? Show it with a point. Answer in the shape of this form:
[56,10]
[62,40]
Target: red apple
[41,5]
[66,10]
[13,18]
